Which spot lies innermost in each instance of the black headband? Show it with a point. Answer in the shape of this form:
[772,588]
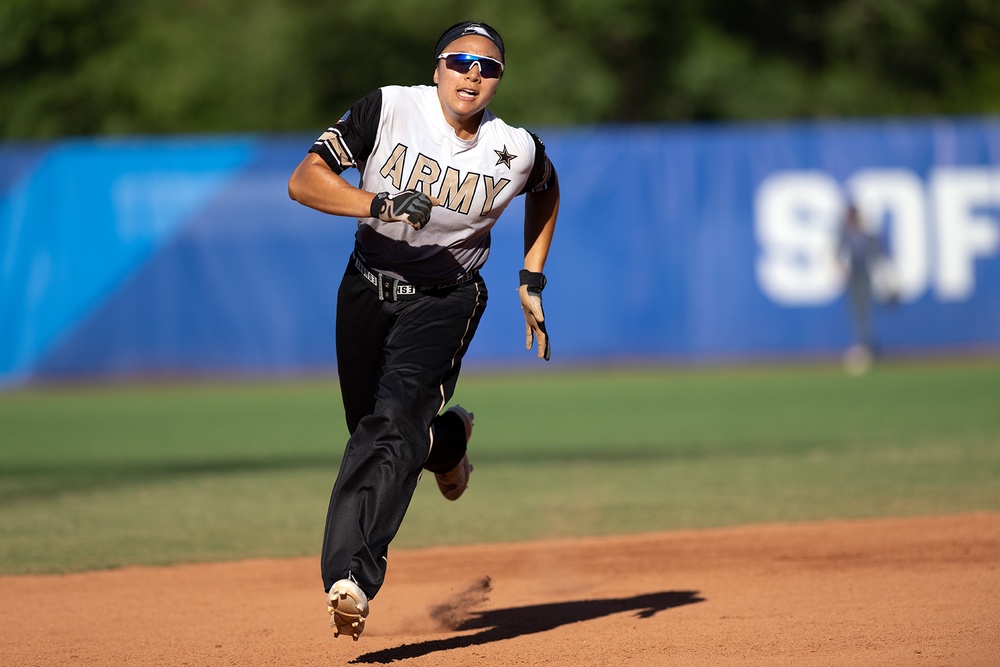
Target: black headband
[469,28]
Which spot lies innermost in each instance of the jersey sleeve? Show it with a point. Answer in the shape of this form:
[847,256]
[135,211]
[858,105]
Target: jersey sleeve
[352,139]
[542,174]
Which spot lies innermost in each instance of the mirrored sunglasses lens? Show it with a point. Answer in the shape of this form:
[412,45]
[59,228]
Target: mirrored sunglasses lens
[489,68]
[462,62]
[458,64]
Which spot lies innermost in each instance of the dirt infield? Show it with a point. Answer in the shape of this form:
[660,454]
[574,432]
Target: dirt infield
[922,591]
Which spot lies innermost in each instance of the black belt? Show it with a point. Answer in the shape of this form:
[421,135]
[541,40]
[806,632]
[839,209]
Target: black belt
[394,289]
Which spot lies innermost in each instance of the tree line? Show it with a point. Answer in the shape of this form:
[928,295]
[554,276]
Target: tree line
[121,67]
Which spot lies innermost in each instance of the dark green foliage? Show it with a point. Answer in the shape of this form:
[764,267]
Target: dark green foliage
[71,67]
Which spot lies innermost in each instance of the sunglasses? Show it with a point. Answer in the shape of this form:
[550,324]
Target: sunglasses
[463,62]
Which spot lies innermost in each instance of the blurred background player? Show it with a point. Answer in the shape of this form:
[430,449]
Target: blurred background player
[437,171]
[861,255]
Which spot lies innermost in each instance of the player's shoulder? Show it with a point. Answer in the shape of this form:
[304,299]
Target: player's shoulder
[501,129]
[407,94]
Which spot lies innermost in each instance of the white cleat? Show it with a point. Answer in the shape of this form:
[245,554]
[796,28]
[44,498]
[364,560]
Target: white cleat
[453,483]
[348,606]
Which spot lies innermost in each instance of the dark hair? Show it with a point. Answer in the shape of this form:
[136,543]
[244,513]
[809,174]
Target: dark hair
[469,28]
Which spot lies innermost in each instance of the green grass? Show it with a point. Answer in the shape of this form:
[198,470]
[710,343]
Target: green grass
[119,475]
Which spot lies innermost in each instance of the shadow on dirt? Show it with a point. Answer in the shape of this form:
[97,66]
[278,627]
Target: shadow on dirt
[500,624]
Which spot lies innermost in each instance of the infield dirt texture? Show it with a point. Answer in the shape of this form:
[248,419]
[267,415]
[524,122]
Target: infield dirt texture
[918,591]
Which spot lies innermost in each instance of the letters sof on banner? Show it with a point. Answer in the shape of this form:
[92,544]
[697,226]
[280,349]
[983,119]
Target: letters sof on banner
[934,232]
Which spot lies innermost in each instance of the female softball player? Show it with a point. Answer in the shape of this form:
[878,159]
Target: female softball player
[437,171]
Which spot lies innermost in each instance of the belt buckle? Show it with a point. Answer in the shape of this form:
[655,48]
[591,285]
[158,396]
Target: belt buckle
[386,288]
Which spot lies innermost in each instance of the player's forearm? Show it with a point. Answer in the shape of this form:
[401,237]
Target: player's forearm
[540,212]
[313,184]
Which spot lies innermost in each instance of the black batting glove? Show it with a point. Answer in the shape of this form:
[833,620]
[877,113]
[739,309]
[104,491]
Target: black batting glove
[410,206]
[530,291]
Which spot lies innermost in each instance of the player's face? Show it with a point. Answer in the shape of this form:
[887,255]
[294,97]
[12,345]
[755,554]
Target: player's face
[464,95]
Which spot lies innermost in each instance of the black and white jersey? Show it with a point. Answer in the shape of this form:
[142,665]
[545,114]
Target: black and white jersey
[398,139]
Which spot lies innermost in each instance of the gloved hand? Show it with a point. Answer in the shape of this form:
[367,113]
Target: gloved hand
[530,292]
[410,206]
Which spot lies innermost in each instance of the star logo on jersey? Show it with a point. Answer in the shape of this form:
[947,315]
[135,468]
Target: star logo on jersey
[503,157]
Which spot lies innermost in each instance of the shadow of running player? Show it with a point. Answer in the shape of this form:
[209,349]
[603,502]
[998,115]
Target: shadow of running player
[500,624]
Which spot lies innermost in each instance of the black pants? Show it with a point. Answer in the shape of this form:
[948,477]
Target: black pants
[398,364]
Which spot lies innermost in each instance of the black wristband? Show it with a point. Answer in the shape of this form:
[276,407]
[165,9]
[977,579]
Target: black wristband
[378,203]
[535,281]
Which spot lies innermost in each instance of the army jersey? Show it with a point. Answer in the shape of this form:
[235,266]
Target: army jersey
[398,139]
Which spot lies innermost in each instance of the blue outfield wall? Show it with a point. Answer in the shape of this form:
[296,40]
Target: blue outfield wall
[184,255]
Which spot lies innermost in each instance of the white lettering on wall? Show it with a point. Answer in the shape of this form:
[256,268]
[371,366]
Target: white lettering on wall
[893,206]
[934,233]
[797,215]
[966,229]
